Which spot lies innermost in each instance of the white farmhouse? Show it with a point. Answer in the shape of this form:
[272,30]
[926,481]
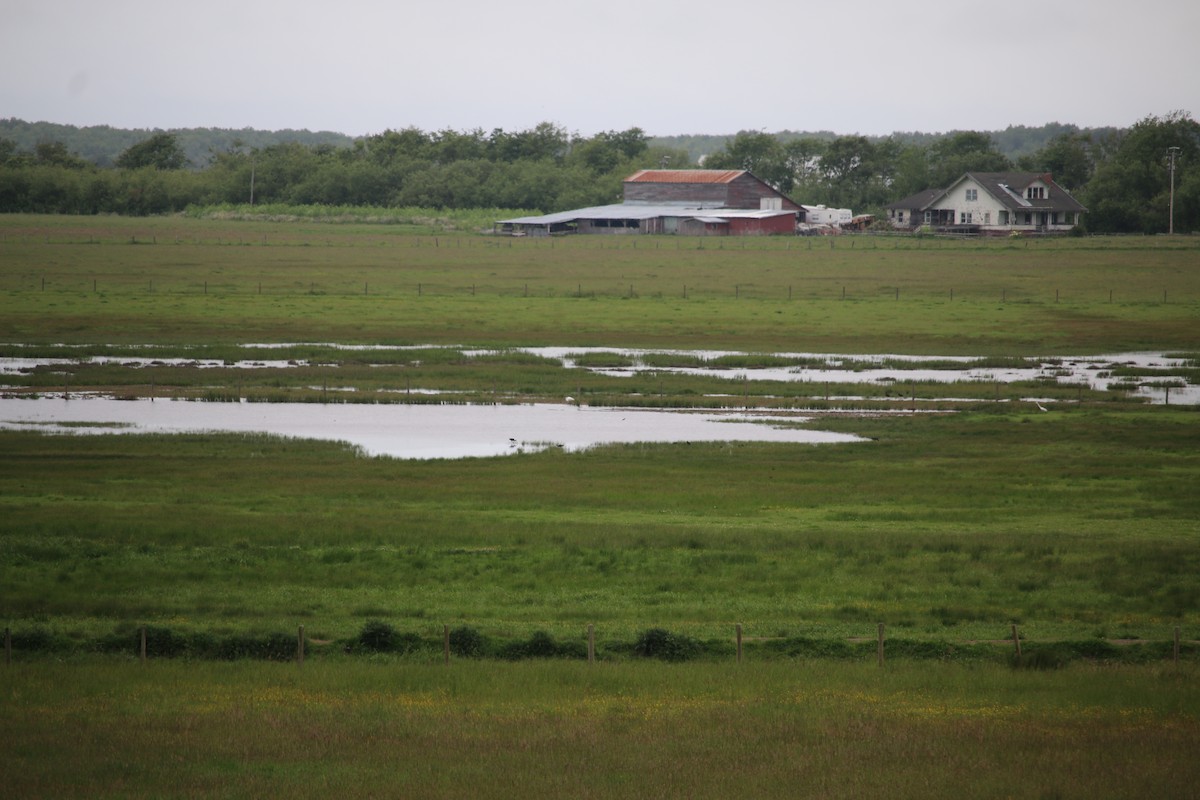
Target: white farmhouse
[991,202]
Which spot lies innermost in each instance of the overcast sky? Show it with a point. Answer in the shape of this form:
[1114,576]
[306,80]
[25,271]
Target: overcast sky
[666,66]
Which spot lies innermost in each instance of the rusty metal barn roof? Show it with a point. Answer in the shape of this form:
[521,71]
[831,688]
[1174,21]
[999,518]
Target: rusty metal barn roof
[685,176]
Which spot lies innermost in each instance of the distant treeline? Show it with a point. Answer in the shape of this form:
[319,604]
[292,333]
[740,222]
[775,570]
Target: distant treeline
[1014,141]
[102,144]
[1121,175]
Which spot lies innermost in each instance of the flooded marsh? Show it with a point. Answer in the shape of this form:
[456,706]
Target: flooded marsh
[430,402]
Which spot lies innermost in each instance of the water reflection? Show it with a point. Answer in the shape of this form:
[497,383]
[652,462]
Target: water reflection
[1099,372]
[410,431]
[1093,372]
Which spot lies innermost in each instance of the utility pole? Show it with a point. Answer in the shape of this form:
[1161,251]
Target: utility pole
[1171,153]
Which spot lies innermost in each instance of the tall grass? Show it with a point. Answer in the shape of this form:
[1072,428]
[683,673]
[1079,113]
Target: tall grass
[105,729]
[418,220]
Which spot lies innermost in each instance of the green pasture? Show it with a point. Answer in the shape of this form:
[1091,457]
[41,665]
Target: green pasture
[553,729]
[1078,525]
[190,281]
[1074,524]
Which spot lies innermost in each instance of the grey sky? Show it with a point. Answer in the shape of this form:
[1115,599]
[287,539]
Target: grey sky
[667,66]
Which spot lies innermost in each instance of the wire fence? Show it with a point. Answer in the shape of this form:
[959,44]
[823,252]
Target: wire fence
[657,643]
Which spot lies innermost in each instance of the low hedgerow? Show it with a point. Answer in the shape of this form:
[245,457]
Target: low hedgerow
[802,647]
[378,636]
[665,645]
[542,645]
[936,650]
[164,642]
[38,640]
[466,642]
[271,647]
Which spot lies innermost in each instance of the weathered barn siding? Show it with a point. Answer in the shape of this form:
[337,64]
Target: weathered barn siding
[747,191]
[769,226]
[692,194]
[718,188]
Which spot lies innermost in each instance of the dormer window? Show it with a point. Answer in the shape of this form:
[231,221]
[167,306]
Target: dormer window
[972,195]
[1035,193]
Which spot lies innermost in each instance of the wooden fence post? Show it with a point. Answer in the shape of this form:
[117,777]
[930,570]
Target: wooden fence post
[739,642]
[591,631]
[446,643]
[1016,641]
[300,645]
[879,646]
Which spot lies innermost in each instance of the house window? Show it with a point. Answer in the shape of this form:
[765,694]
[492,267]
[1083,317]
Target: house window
[1003,217]
[987,218]
[966,218]
[972,195]
[928,217]
[900,216]
[1035,193]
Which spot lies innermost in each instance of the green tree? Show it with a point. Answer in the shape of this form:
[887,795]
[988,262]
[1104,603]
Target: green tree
[853,172]
[760,153]
[1130,192]
[160,151]
[1067,157]
[56,154]
[391,146]
[964,151]
[607,151]
[545,141]
[10,153]
[911,171]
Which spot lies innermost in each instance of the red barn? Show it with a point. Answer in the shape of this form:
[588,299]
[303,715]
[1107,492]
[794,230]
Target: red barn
[695,202]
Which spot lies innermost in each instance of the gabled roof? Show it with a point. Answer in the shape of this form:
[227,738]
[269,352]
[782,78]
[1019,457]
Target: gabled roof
[1008,189]
[918,200]
[685,176]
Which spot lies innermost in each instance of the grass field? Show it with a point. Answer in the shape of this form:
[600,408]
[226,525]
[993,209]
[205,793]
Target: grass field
[1078,525]
[195,281]
[553,730]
